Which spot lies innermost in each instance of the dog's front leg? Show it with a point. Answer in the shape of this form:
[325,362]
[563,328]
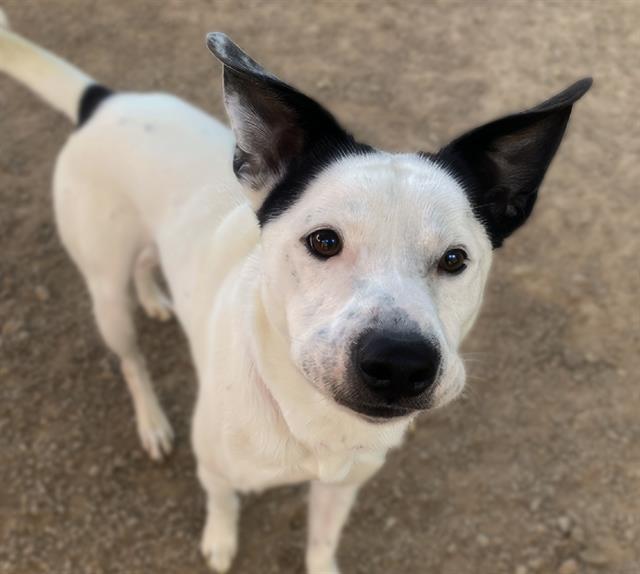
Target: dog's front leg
[329,507]
[220,536]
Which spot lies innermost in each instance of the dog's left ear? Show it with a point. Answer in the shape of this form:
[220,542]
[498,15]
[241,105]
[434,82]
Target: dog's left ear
[274,124]
[501,164]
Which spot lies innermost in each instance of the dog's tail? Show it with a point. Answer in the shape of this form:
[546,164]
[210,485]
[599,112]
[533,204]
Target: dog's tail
[63,86]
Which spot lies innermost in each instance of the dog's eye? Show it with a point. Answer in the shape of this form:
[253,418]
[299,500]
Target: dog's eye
[453,261]
[324,243]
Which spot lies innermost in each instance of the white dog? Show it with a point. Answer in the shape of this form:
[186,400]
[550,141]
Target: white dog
[324,312]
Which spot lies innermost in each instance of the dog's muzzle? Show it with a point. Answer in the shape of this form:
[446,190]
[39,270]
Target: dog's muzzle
[395,372]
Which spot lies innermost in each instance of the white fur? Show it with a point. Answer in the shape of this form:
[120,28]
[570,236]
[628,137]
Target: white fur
[150,177]
[56,81]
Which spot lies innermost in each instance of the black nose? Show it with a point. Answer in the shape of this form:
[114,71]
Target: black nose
[396,365]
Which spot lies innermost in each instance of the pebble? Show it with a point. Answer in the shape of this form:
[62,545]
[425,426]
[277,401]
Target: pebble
[11,327]
[539,528]
[42,293]
[536,564]
[594,557]
[390,522]
[629,534]
[482,540]
[578,535]
[568,567]
[521,569]
[324,84]
[119,462]
[564,523]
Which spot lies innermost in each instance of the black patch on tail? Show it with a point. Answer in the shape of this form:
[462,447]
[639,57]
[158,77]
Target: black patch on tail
[90,101]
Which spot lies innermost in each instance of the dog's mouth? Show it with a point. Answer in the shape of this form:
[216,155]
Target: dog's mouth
[379,413]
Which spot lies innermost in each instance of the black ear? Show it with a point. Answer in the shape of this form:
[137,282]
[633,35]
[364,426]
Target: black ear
[274,124]
[501,164]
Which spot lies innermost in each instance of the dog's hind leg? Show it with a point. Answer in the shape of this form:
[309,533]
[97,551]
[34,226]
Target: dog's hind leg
[154,301]
[112,309]
[101,228]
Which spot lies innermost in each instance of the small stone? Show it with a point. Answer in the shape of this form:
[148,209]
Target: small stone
[11,327]
[568,567]
[564,523]
[390,522]
[451,549]
[324,83]
[578,535]
[539,528]
[629,534]
[521,569]
[93,470]
[594,557]
[535,504]
[608,550]
[42,293]
[119,462]
[536,564]
[482,540]
[521,270]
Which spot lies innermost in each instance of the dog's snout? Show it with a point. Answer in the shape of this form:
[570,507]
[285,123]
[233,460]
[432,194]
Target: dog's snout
[397,365]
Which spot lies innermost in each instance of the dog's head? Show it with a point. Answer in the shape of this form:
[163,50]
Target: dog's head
[374,263]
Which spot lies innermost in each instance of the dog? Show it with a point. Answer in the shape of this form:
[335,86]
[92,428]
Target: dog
[324,285]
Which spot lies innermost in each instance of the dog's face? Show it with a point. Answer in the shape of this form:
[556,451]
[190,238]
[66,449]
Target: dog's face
[378,273]
[374,264]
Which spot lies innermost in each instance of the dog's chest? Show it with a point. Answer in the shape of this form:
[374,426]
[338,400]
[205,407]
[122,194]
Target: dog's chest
[255,461]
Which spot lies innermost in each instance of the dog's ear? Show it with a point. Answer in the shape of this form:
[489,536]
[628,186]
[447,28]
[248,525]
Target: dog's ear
[501,164]
[274,124]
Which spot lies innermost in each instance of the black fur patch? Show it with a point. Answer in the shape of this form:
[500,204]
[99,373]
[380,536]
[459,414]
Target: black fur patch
[306,167]
[502,164]
[307,138]
[282,135]
[90,101]
[503,192]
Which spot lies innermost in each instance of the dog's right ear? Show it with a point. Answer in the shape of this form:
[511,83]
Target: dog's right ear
[274,124]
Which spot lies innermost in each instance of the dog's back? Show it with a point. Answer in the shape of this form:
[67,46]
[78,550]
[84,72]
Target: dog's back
[144,179]
[140,168]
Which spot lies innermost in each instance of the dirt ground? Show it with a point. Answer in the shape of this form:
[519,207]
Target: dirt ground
[537,469]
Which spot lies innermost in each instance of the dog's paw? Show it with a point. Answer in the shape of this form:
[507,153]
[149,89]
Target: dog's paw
[218,548]
[318,562]
[155,431]
[156,305]
[326,568]
[220,559]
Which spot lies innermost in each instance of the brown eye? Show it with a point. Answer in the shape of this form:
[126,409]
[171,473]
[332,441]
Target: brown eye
[453,261]
[324,243]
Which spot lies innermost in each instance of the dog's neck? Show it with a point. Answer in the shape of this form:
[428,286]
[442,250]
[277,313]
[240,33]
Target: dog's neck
[331,432]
